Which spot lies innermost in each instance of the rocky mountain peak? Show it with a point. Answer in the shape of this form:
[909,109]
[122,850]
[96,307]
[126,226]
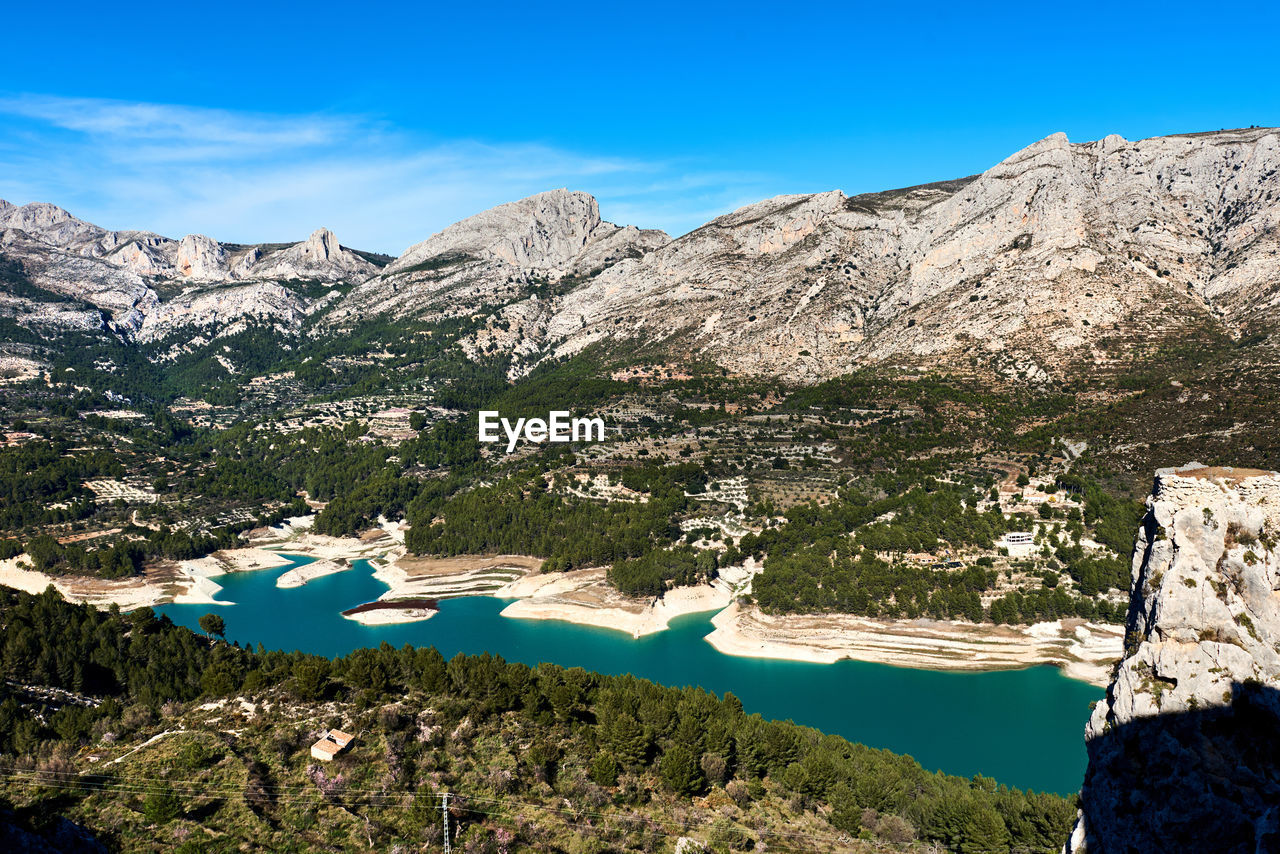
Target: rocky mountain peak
[48,223]
[200,257]
[321,246]
[495,258]
[318,257]
[1184,752]
[36,216]
[544,231]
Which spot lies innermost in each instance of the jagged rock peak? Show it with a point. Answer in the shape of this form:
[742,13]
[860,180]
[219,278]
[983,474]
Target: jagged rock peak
[322,245]
[1184,752]
[544,231]
[34,216]
[200,257]
[49,223]
[320,256]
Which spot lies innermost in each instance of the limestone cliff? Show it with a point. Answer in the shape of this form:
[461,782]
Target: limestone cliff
[1063,257]
[489,262]
[1184,752]
[123,274]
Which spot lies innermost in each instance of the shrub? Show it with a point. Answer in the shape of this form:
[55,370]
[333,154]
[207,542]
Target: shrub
[605,770]
[161,807]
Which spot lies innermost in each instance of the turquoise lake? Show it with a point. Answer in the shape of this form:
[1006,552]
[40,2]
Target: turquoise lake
[1022,727]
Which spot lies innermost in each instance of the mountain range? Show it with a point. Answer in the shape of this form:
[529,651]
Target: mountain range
[1063,258]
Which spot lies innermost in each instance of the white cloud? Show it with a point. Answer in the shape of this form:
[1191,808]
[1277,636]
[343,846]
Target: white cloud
[248,177]
[178,132]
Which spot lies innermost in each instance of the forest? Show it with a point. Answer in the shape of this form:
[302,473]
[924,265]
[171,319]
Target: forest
[829,559]
[632,746]
[523,515]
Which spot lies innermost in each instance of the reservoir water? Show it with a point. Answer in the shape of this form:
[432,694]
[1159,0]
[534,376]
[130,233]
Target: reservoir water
[1022,727]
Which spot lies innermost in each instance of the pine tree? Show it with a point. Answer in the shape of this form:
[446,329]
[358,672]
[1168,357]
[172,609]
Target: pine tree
[985,832]
[628,740]
[680,771]
[213,625]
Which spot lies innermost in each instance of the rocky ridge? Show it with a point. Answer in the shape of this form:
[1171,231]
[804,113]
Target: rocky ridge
[504,262]
[1063,259]
[1184,752]
[144,287]
[1061,256]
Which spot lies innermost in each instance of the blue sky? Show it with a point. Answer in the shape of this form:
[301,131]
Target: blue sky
[386,122]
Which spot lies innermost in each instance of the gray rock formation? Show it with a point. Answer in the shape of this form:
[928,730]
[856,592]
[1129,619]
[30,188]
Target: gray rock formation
[123,273]
[198,257]
[319,257]
[1184,753]
[549,231]
[525,250]
[1063,259]
[1060,258]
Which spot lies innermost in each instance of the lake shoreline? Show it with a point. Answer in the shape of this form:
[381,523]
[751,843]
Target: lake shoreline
[584,597]
[1083,651]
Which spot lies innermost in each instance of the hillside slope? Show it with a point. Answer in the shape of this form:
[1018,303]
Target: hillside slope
[1063,260]
[64,273]
[1061,257]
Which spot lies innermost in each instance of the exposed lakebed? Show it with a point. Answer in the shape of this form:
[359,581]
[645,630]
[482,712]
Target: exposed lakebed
[1022,727]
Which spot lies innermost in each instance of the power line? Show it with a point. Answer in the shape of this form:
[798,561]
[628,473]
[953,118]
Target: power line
[444,814]
[297,794]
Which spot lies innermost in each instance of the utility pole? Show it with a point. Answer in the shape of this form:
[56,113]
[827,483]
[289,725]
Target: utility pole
[444,814]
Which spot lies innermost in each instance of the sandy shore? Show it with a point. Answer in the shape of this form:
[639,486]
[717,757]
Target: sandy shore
[390,616]
[584,597]
[191,581]
[443,578]
[300,575]
[128,594]
[1083,650]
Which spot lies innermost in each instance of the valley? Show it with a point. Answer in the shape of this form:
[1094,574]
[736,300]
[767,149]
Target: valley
[872,464]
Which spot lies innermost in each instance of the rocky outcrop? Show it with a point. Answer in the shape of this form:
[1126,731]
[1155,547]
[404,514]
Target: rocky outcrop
[199,257]
[219,287]
[319,257]
[1063,257]
[548,231]
[223,311]
[526,250]
[1184,752]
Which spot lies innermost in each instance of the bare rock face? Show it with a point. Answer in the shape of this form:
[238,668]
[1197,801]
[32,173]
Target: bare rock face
[548,242]
[122,272]
[544,232]
[223,311]
[319,257]
[1184,753]
[1063,257]
[79,278]
[200,258]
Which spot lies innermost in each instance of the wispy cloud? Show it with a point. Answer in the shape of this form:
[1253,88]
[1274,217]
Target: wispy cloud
[243,176]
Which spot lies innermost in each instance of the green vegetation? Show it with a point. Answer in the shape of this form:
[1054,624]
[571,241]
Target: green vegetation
[514,743]
[651,574]
[42,483]
[831,559]
[522,516]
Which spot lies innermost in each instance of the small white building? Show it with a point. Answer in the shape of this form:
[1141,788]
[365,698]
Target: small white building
[1019,543]
[331,744]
